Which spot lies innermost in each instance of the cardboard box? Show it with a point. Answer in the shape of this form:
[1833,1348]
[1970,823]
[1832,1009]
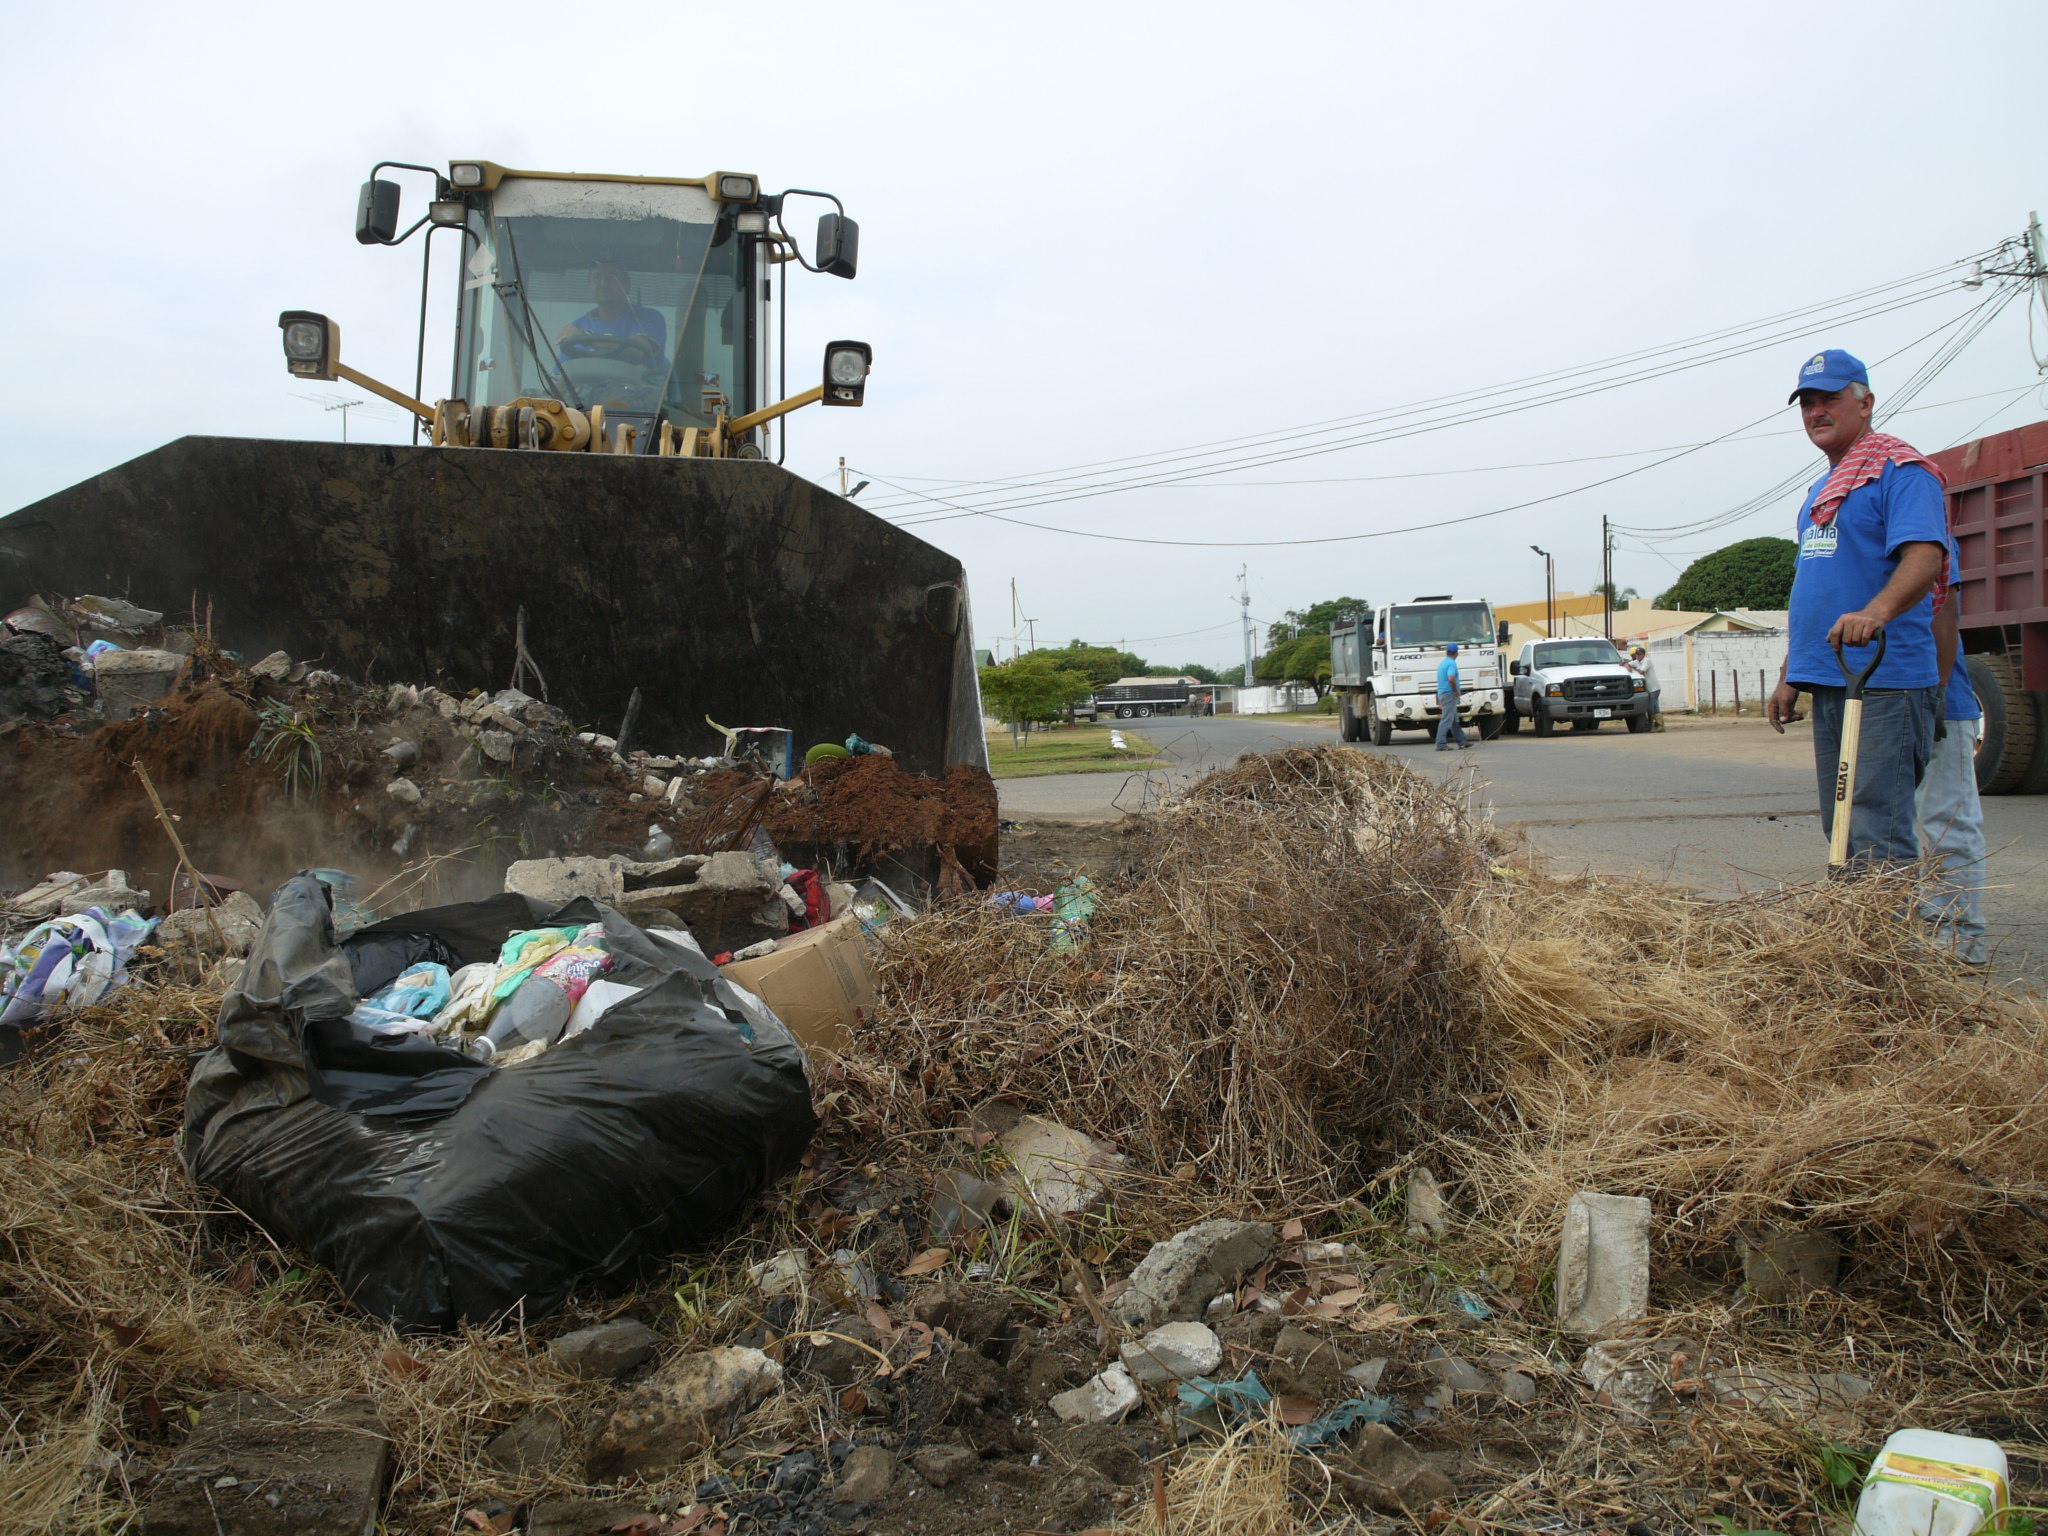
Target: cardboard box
[819,982]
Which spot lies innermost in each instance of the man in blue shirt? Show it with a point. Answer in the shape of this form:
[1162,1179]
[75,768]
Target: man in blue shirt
[1951,818]
[617,329]
[1873,542]
[1448,723]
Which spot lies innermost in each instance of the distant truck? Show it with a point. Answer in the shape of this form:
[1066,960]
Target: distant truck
[1140,698]
[1578,680]
[1998,510]
[1383,668]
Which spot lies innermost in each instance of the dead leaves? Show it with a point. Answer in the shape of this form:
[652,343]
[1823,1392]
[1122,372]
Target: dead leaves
[930,1262]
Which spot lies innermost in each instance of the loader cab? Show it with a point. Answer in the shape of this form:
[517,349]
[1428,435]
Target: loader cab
[644,297]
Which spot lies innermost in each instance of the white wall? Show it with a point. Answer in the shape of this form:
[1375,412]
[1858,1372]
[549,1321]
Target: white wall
[1733,665]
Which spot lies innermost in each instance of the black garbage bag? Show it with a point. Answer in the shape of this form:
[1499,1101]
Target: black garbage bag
[443,1191]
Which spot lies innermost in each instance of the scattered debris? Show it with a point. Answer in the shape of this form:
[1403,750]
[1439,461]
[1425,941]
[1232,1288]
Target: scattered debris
[1173,1352]
[1102,1399]
[1177,1279]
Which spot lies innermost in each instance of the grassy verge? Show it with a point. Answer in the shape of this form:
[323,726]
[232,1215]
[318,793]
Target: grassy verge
[1068,749]
[1295,716]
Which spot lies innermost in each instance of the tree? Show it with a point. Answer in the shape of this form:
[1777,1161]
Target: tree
[1200,673]
[1305,659]
[1315,619]
[1615,598]
[1100,664]
[1756,573]
[1032,690]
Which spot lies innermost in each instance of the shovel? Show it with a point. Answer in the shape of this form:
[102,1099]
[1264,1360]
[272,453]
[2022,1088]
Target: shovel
[1852,738]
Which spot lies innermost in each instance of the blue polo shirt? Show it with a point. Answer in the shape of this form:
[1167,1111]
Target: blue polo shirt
[1844,565]
[1447,675]
[1962,698]
[634,320]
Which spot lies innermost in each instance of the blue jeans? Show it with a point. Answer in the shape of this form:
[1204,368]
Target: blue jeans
[1952,832]
[1450,724]
[1897,741]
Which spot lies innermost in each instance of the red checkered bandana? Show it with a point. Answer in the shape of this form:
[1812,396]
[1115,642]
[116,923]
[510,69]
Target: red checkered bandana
[1863,463]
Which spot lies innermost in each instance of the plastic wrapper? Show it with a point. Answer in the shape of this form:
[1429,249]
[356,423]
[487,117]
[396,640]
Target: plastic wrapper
[440,1190]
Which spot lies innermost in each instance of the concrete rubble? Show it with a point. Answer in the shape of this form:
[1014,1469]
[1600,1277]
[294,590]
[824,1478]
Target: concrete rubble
[1178,1278]
[1603,1263]
[1173,1352]
[685,1408]
[269,1466]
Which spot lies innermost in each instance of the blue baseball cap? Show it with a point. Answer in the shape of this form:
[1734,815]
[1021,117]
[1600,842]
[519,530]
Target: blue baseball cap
[1451,649]
[1830,370]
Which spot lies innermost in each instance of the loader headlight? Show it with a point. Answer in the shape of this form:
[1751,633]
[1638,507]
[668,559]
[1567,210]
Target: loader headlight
[311,343]
[467,173]
[846,371]
[752,222]
[730,188]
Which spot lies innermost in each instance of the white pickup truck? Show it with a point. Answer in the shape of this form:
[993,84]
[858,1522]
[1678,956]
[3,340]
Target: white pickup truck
[1584,682]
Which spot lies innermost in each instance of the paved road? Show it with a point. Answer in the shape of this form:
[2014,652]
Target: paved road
[1719,806]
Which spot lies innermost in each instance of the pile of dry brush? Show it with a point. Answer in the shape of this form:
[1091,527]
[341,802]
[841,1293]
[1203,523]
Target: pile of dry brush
[1322,961]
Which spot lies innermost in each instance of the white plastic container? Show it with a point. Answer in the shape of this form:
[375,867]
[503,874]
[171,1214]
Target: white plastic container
[1925,1483]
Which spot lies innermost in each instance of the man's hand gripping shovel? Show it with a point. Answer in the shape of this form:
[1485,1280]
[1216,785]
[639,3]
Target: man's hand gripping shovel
[1852,739]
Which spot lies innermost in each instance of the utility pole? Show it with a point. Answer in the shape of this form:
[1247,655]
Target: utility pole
[1549,594]
[1607,575]
[842,475]
[345,406]
[1244,599]
[1032,625]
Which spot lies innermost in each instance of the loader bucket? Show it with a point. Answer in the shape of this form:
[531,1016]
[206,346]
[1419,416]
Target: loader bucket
[726,588]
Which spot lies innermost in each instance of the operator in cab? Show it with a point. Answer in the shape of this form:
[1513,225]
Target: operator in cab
[617,330]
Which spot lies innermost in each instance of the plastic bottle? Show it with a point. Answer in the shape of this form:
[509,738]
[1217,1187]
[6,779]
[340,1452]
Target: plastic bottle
[537,1011]
[1925,1483]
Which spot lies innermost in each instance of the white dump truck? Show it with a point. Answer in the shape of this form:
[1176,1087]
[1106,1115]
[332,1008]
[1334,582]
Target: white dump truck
[1383,667]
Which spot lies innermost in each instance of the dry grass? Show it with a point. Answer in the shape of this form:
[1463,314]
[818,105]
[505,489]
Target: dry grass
[1279,995]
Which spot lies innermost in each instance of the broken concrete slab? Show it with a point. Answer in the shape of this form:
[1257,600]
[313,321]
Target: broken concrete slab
[275,667]
[607,1351]
[557,882]
[1173,1352]
[205,932]
[131,680]
[1819,1399]
[1102,1399]
[111,891]
[685,1408]
[1176,1279]
[43,899]
[1637,1376]
[1781,1267]
[1603,1263]
[1061,1171]
[266,1466]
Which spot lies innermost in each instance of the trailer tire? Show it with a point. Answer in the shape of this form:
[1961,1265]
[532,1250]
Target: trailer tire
[1124,711]
[2035,780]
[1379,731]
[1144,711]
[2005,752]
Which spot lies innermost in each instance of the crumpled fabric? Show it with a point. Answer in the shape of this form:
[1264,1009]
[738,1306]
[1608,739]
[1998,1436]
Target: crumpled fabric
[573,969]
[470,999]
[420,992]
[75,960]
[524,953]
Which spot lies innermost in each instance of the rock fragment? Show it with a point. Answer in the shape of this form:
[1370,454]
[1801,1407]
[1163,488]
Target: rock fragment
[865,1475]
[1102,1399]
[607,1351]
[257,1465]
[1603,1263]
[683,1409]
[1390,1474]
[1175,1281]
[1173,1352]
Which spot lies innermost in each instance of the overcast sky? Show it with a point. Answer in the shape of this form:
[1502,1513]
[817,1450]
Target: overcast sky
[1088,233]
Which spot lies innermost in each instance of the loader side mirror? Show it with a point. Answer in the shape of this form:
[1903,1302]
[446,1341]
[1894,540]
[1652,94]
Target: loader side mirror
[838,244]
[846,371]
[312,344]
[377,213]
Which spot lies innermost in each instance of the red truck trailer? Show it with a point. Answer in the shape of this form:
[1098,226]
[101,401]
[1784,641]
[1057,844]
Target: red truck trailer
[1998,511]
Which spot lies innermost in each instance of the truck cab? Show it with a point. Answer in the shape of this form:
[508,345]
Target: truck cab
[1383,668]
[1581,680]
